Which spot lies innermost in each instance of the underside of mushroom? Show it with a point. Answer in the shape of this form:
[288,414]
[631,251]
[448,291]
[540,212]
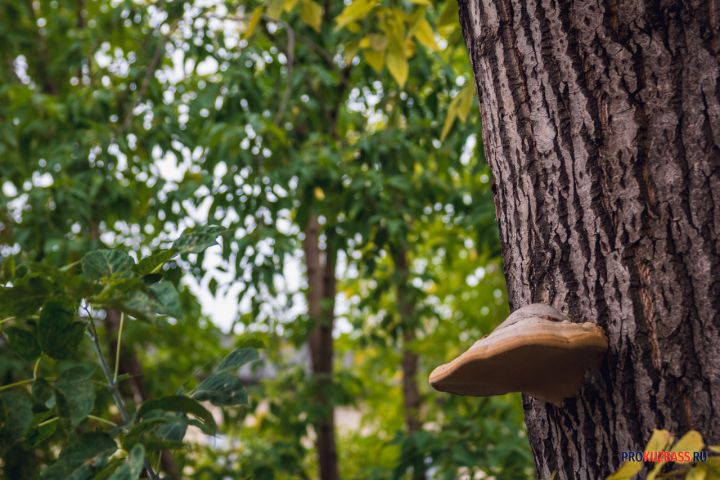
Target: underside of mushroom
[537,350]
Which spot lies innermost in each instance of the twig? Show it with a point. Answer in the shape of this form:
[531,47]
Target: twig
[47,422]
[36,368]
[102,420]
[16,384]
[117,348]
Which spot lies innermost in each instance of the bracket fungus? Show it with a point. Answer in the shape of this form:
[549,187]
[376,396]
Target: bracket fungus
[537,350]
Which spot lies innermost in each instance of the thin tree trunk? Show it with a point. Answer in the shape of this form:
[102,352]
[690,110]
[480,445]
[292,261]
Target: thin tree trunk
[410,359]
[601,122]
[321,309]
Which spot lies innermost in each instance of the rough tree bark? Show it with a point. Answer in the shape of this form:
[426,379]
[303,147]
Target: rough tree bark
[321,310]
[601,123]
[410,359]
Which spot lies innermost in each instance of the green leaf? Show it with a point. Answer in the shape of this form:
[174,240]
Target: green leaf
[250,340]
[42,392]
[222,387]
[132,467]
[181,404]
[198,239]
[157,299]
[57,333]
[154,262]
[105,263]
[76,394]
[39,433]
[25,296]
[23,343]
[167,299]
[15,416]
[237,358]
[160,430]
[84,456]
[174,428]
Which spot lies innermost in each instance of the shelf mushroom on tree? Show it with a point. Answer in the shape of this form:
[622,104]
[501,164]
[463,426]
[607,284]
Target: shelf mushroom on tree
[537,350]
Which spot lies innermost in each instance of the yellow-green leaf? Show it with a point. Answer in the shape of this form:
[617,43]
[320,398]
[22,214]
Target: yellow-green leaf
[459,109]
[311,13]
[375,59]
[397,64]
[659,440]
[351,50]
[425,35]
[252,22]
[377,41]
[698,472]
[656,469]
[275,9]
[355,11]
[394,27]
[626,471]
[449,119]
[465,101]
[692,441]
[448,15]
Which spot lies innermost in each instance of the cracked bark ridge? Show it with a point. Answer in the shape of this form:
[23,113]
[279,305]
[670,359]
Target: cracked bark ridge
[601,123]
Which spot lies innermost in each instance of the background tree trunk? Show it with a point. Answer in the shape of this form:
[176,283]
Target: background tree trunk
[321,310]
[601,123]
[410,359]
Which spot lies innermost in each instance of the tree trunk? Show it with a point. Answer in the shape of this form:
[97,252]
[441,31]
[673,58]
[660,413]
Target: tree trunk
[321,310]
[410,359]
[601,123]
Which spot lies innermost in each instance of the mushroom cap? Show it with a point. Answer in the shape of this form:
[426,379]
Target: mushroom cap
[537,350]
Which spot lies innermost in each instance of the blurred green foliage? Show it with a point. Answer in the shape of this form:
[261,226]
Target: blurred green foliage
[124,123]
